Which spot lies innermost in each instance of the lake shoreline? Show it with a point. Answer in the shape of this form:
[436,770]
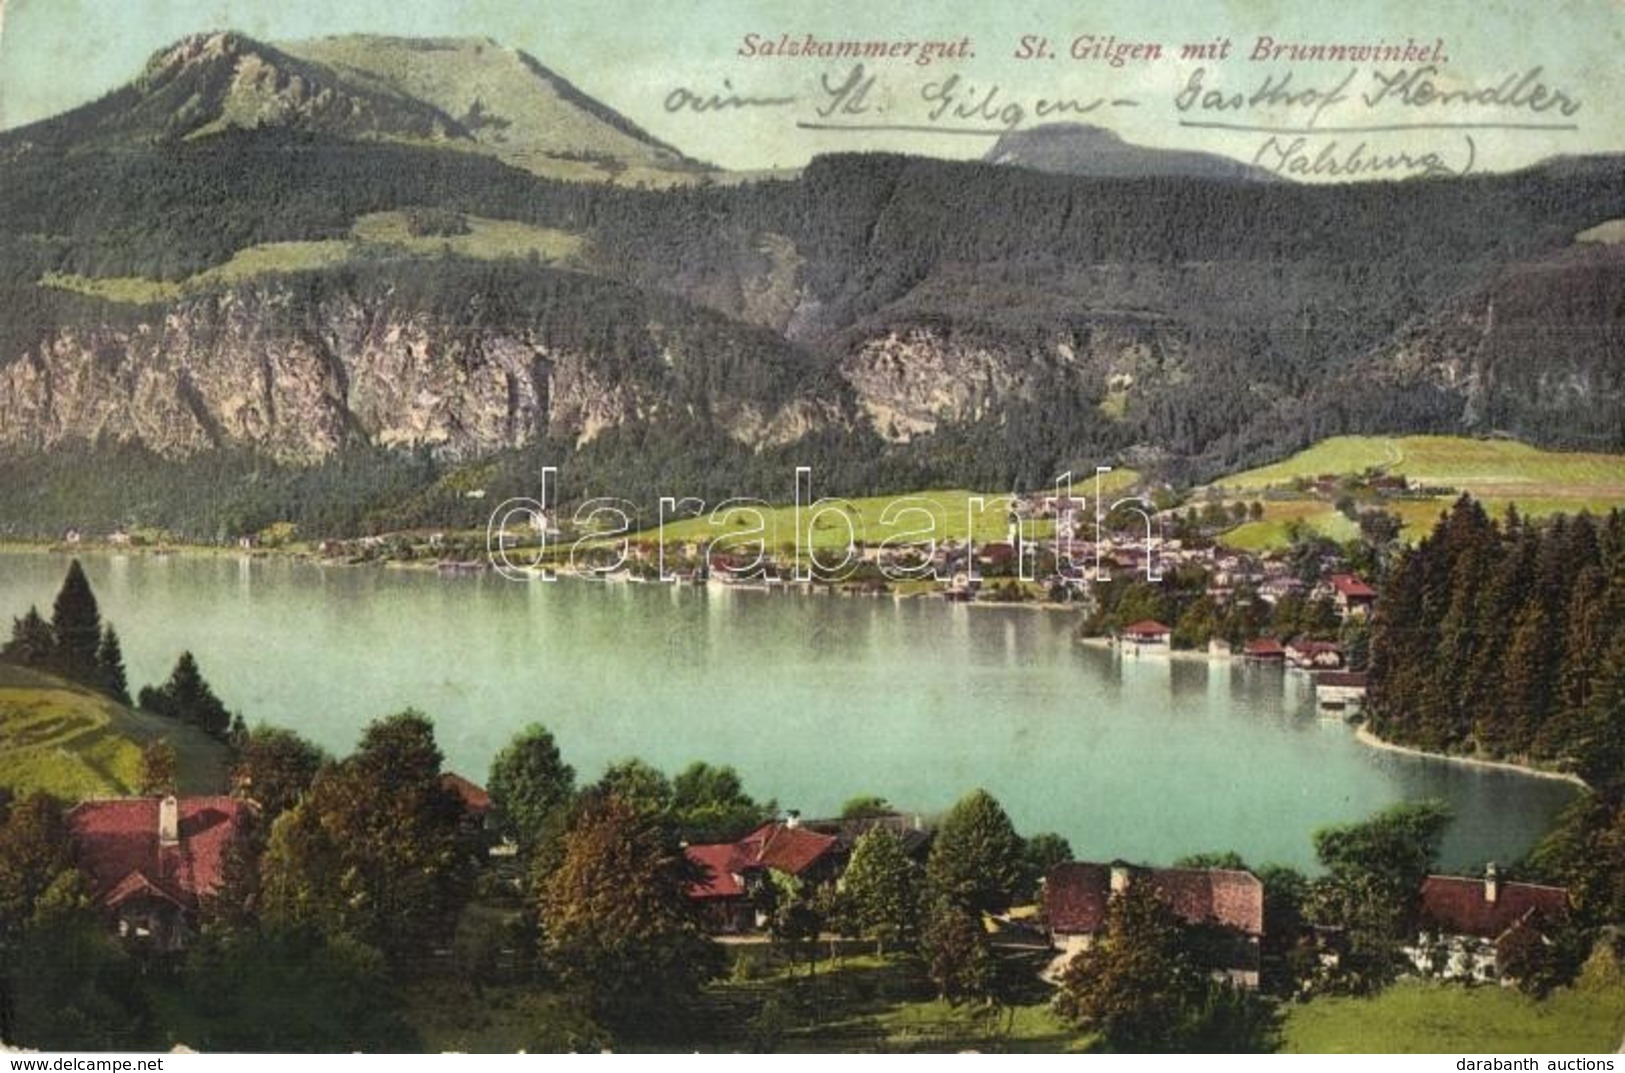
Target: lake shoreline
[1364,735]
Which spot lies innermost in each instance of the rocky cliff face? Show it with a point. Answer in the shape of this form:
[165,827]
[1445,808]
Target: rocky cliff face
[910,380]
[1537,348]
[298,378]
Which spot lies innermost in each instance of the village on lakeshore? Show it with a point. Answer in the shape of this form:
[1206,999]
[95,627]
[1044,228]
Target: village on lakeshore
[543,886]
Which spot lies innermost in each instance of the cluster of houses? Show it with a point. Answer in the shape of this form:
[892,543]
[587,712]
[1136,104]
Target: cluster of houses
[152,861]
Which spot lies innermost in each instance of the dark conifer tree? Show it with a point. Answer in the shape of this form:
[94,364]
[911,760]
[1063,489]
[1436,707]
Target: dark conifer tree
[77,624]
[110,664]
[32,643]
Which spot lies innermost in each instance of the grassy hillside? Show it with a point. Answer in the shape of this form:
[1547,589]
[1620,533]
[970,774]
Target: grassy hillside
[378,235]
[1500,473]
[1413,1017]
[951,512]
[74,743]
[1483,467]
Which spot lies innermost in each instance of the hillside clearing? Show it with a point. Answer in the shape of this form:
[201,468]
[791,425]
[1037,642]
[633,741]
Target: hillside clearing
[376,235]
[69,741]
[1498,473]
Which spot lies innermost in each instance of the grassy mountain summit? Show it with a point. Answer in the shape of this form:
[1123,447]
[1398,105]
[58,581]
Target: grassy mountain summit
[469,94]
[504,101]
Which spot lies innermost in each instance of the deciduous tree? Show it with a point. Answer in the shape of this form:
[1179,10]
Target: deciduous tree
[881,889]
[157,768]
[975,860]
[274,769]
[373,849]
[709,803]
[531,788]
[617,924]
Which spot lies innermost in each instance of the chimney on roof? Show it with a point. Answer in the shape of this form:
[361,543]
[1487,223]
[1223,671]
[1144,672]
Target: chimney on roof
[169,821]
[1120,878]
[1492,885]
[792,819]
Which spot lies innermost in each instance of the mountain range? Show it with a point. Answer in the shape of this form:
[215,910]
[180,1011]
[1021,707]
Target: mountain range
[298,255]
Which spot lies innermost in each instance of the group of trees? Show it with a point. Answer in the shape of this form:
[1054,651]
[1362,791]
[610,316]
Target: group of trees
[1507,640]
[74,643]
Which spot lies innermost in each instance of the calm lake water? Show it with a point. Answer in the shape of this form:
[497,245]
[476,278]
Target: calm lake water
[814,699]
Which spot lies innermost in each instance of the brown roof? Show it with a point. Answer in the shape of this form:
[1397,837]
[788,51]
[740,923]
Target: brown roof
[116,845]
[1076,894]
[1456,905]
[717,863]
[779,846]
[473,796]
[784,848]
[1349,585]
[1265,646]
[1146,628]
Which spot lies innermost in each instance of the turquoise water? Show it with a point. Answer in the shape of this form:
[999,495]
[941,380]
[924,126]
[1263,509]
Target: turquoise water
[813,698]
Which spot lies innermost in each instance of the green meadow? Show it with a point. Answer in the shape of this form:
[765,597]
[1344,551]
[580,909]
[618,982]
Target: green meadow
[377,235]
[943,514]
[1499,473]
[69,741]
[1416,1017]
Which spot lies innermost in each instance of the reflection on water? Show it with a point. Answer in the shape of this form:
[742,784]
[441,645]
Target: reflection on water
[814,698]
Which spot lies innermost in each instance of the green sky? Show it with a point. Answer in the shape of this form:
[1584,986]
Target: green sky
[58,53]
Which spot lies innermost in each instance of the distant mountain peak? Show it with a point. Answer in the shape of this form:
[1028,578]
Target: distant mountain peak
[1087,150]
[470,91]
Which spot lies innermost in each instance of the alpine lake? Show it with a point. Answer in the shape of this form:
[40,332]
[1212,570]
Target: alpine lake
[814,698]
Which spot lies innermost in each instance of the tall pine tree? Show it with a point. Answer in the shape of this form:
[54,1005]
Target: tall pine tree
[110,665]
[77,623]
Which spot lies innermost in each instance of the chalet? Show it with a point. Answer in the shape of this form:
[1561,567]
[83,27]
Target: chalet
[1466,923]
[729,874]
[1076,896]
[1352,596]
[152,861]
[1147,632]
[1264,650]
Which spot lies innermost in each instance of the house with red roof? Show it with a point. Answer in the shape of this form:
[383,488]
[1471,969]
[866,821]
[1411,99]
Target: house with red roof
[1147,632]
[728,874]
[1231,903]
[1352,596]
[1265,650]
[151,861]
[1465,922]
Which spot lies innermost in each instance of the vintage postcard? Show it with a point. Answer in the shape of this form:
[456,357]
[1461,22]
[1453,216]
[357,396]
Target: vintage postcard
[812,527]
